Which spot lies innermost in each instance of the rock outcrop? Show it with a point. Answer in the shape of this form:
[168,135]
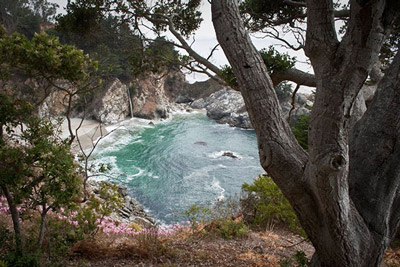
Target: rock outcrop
[227,106]
[180,91]
[149,98]
[111,104]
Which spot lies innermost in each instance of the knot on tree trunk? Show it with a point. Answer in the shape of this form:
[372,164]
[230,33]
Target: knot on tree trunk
[337,162]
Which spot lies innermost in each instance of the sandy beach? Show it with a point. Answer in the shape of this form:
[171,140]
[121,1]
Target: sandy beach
[88,133]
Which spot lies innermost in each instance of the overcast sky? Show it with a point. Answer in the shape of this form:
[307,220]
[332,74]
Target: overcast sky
[205,40]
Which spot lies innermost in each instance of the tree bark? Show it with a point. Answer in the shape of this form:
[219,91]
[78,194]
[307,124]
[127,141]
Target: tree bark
[15,219]
[294,75]
[317,183]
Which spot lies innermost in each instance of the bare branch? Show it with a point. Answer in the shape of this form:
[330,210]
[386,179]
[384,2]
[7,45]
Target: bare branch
[212,51]
[293,101]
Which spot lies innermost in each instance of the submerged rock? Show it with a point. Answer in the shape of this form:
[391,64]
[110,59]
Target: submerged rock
[200,143]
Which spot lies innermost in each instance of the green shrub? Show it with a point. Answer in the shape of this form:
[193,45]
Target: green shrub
[197,214]
[228,228]
[264,205]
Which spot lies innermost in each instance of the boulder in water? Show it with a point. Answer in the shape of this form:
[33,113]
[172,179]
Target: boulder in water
[230,154]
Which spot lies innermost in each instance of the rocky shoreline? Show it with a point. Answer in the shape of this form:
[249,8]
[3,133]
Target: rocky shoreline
[131,211]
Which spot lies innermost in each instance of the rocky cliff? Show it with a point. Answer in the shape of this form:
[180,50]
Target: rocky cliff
[157,95]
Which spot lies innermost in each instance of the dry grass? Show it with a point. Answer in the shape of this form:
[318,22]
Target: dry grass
[186,249]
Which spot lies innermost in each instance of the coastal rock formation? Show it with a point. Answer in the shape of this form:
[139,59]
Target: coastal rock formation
[111,105]
[155,96]
[149,98]
[180,91]
[227,106]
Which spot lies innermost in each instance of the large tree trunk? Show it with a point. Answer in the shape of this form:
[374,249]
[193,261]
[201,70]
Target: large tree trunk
[317,183]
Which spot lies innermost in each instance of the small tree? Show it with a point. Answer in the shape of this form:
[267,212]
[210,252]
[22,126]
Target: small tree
[36,166]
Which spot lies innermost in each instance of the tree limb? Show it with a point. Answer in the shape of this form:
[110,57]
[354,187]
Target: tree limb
[321,33]
[378,175]
[294,75]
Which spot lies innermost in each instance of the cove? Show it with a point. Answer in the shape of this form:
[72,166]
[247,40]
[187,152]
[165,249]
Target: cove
[179,162]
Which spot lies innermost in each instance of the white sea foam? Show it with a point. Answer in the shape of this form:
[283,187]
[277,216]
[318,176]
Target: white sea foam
[202,172]
[108,160]
[140,172]
[218,186]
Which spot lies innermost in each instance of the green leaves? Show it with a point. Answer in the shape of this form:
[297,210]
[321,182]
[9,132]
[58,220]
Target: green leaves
[276,61]
[44,56]
[157,57]
[184,14]
[260,14]
[273,60]
[264,205]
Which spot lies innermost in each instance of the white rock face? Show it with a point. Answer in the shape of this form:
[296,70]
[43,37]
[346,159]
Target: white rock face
[150,100]
[114,105]
[225,106]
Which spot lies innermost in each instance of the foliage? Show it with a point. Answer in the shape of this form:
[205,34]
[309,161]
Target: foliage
[117,44]
[186,17]
[112,44]
[273,60]
[228,228]
[37,168]
[276,61]
[259,14]
[217,220]
[264,205]
[283,90]
[157,57]
[82,17]
[197,214]
[300,259]
[35,165]
[45,56]
[300,130]
[30,259]
[26,16]
[228,76]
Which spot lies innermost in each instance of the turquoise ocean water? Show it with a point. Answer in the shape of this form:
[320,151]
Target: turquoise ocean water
[179,162]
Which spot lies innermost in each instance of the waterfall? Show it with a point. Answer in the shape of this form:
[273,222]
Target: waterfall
[130,101]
